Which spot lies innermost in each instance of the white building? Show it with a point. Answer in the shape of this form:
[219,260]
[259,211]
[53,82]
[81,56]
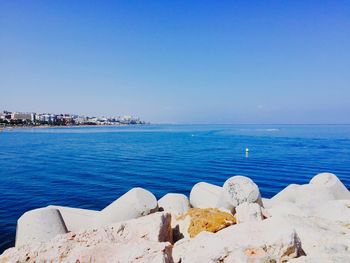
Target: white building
[23,116]
[46,117]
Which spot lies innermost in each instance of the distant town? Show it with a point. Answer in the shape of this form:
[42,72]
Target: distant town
[24,119]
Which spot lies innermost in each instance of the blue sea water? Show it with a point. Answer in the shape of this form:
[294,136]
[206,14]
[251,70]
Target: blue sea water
[90,167]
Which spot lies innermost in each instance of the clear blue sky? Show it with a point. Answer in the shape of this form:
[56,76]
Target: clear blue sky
[178,61]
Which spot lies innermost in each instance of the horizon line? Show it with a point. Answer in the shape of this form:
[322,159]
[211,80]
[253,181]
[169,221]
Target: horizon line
[165,123]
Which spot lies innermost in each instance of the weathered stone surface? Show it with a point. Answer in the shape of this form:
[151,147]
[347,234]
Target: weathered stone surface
[239,189]
[121,237]
[322,240]
[266,202]
[208,219]
[39,225]
[76,218]
[285,209]
[332,183]
[303,195]
[204,195]
[141,251]
[287,194]
[322,188]
[135,203]
[248,212]
[336,257]
[336,211]
[323,227]
[314,211]
[246,242]
[174,203]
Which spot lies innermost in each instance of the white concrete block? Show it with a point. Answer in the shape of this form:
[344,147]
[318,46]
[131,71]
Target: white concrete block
[39,225]
[335,211]
[266,202]
[174,203]
[267,241]
[145,239]
[76,218]
[303,195]
[205,195]
[239,189]
[287,194]
[248,212]
[332,183]
[135,203]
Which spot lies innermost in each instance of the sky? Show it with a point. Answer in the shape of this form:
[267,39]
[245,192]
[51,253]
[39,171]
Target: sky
[263,62]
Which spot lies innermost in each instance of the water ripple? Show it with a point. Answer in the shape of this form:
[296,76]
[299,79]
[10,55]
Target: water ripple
[91,167]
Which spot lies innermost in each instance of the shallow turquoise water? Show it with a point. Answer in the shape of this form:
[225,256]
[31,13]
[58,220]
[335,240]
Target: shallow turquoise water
[90,167]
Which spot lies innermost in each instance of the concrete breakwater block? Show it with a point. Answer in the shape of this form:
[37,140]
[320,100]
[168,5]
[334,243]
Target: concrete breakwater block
[304,195]
[322,188]
[302,223]
[39,225]
[174,203]
[270,240]
[332,183]
[205,195]
[45,223]
[248,212]
[240,189]
[76,218]
[145,239]
[135,203]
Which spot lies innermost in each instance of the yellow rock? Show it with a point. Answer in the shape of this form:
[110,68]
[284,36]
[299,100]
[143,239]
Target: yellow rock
[208,219]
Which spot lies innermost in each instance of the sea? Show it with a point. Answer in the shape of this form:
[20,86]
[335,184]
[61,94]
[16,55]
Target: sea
[90,167]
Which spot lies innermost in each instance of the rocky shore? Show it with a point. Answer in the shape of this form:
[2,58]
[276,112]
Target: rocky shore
[222,224]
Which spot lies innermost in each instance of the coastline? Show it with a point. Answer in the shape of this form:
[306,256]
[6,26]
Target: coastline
[68,126]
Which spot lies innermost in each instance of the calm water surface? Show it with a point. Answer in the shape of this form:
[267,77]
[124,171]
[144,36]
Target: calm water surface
[90,167]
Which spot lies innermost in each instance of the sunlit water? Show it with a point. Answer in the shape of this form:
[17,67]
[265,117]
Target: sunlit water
[91,167]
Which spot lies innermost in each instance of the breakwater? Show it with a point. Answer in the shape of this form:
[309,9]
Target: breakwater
[229,223]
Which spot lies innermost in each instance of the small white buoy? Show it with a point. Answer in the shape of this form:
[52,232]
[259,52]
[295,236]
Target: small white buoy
[246,150]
